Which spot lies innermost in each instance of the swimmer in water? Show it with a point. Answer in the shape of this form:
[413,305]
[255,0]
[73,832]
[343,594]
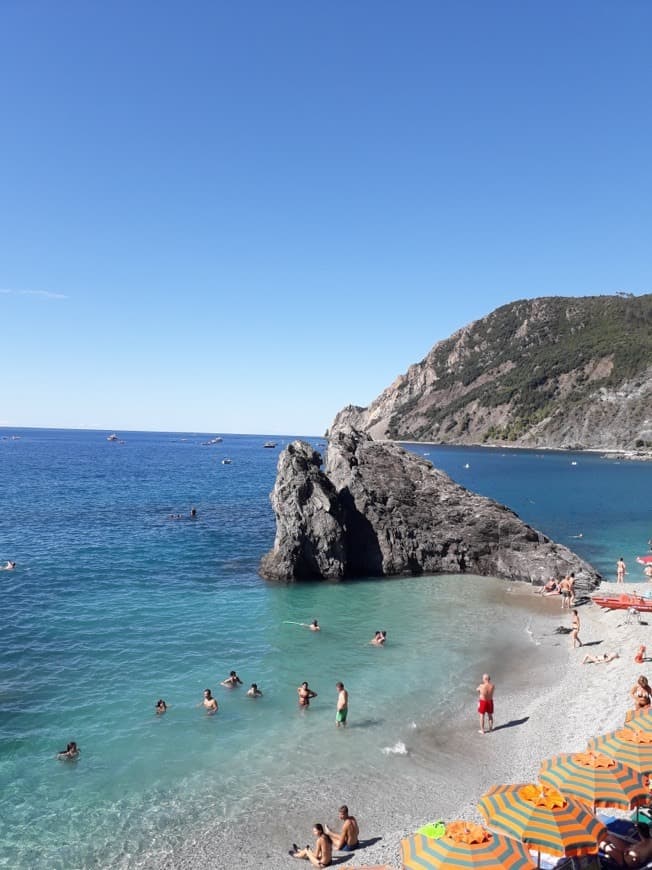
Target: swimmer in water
[9,566]
[313,626]
[379,638]
[209,702]
[231,681]
[161,707]
[305,694]
[70,752]
[254,692]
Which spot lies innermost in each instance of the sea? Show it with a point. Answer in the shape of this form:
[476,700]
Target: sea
[120,597]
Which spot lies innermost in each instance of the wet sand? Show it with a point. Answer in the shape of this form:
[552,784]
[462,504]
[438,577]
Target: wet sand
[547,702]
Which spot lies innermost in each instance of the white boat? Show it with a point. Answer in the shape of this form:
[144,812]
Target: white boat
[113,437]
[269,444]
[226,461]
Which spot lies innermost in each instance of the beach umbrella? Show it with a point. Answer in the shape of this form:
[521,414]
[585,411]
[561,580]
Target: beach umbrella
[596,779]
[627,746]
[465,844]
[639,720]
[542,818]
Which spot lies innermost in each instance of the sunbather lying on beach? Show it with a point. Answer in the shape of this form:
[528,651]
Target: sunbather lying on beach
[550,588]
[321,855]
[599,660]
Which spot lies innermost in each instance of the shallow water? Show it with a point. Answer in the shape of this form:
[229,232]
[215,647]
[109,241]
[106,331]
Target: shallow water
[113,605]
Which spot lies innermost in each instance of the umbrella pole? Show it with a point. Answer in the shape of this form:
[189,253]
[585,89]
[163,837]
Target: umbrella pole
[538,860]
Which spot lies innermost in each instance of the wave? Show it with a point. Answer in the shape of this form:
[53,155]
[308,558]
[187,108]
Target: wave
[399,748]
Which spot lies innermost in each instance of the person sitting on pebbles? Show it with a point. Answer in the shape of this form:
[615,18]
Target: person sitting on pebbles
[347,839]
[321,855]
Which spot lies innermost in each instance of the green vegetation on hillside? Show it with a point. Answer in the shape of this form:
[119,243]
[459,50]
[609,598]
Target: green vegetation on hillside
[542,340]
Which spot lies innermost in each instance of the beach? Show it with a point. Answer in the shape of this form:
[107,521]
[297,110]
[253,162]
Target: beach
[133,606]
[547,702]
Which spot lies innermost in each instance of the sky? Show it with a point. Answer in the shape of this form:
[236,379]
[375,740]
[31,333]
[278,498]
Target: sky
[240,217]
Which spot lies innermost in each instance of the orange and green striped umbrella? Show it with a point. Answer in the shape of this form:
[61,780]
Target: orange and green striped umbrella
[465,845]
[595,779]
[627,746]
[639,720]
[542,818]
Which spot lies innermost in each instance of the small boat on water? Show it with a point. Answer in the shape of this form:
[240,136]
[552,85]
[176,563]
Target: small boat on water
[623,602]
[269,444]
[226,461]
[113,437]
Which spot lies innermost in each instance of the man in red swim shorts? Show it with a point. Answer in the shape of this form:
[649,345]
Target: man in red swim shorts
[486,702]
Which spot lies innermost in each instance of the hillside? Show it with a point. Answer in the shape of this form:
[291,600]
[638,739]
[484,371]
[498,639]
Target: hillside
[547,372]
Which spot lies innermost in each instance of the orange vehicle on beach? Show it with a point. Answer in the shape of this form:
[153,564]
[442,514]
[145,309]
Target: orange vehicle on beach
[623,602]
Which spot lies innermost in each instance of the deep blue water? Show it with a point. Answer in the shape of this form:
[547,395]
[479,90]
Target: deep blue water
[114,604]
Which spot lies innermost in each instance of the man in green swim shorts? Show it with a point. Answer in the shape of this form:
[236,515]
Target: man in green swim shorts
[342,705]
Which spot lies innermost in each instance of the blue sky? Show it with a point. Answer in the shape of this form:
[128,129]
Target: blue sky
[239,217]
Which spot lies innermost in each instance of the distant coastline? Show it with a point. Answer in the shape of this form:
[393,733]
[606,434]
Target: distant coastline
[604,452]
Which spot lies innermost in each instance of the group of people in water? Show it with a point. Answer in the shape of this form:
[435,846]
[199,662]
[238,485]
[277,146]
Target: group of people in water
[304,692]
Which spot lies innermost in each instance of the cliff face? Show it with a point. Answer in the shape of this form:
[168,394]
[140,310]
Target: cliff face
[377,510]
[550,372]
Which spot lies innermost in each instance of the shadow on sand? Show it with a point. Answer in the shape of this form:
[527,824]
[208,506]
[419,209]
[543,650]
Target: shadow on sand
[512,724]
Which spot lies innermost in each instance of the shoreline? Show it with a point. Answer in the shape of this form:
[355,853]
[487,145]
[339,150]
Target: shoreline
[546,703]
[601,452]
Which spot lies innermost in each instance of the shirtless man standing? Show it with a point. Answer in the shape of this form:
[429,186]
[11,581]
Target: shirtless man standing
[209,702]
[347,839]
[566,590]
[342,705]
[486,702]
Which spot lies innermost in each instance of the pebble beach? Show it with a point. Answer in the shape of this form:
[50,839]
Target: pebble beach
[547,702]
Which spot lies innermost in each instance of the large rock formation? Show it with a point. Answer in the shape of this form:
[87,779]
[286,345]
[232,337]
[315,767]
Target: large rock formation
[378,510]
[550,372]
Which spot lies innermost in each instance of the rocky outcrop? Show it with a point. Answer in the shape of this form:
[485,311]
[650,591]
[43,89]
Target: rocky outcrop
[552,372]
[377,510]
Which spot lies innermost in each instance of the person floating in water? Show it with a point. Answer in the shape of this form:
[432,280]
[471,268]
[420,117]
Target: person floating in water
[305,694]
[379,638]
[193,513]
[9,566]
[209,702]
[254,692]
[70,752]
[161,707]
[313,626]
[232,681]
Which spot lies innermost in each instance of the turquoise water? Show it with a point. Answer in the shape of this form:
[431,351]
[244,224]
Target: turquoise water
[113,605]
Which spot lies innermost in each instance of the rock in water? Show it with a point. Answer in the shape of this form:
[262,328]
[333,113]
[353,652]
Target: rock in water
[377,510]
[310,536]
